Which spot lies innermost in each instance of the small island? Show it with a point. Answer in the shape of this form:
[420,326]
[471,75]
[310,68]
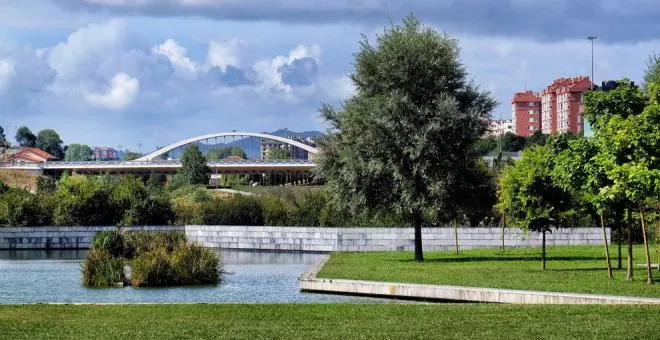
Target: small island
[148,259]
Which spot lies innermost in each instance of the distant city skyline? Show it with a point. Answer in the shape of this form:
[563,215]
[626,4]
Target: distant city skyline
[105,73]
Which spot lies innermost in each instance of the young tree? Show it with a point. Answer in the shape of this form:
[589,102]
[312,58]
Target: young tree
[278,153]
[49,141]
[25,137]
[529,198]
[652,72]
[193,167]
[406,136]
[512,142]
[78,152]
[130,156]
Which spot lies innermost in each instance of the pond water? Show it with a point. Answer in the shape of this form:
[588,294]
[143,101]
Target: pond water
[40,276]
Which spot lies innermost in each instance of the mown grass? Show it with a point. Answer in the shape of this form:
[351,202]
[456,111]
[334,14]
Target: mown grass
[328,321]
[579,269]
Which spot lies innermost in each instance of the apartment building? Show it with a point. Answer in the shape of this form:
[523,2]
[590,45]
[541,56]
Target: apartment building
[526,113]
[561,109]
[499,127]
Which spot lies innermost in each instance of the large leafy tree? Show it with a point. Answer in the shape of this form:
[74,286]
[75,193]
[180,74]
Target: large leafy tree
[404,140]
[530,199]
[49,141]
[194,169]
[78,152]
[25,137]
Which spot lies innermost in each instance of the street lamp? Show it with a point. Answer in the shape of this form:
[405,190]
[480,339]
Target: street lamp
[592,38]
[140,148]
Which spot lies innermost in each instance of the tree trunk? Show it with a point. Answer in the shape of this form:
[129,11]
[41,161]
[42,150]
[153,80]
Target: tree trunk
[629,275]
[503,228]
[607,249]
[543,251]
[619,243]
[456,235]
[649,275]
[417,224]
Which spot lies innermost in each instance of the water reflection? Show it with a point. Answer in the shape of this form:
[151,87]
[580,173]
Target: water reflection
[33,276]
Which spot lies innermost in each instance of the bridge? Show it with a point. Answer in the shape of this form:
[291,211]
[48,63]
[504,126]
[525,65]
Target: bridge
[299,159]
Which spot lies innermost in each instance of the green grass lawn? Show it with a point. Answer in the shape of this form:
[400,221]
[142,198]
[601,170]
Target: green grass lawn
[328,321]
[579,269]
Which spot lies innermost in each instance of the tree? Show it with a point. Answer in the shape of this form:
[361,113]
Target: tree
[235,151]
[193,167]
[49,141]
[25,137]
[78,152]
[529,198]
[652,72]
[3,138]
[130,156]
[485,145]
[278,153]
[406,136]
[537,138]
[512,142]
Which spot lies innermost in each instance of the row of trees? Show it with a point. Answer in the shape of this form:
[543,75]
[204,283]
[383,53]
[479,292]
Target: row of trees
[510,142]
[614,176]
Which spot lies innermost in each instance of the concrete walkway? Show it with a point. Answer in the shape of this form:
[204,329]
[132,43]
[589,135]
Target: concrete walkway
[232,191]
[310,283]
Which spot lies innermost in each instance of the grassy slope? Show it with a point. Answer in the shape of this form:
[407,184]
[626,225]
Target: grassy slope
[570,269]
[329,321]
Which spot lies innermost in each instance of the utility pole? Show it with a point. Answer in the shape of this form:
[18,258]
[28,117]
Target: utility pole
[140,148]
[592,38]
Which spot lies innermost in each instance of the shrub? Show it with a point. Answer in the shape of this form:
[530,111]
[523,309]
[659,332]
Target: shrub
[193,264]
[240,210]
[151,269]
[3,187]
[46,185]
[19,207]
[308,210]
[188,213]
[138,242]
[111,241]
[100,269]
[275,212]
[85,201]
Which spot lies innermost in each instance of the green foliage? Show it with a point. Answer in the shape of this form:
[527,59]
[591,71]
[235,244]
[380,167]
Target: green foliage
[241,210]
[193,167]
[307,211]
[278,153]
[194,264]
[3,187]
[130,156]
[25,137]
[49,141]
[512,142]
[78,152]
[85,201]
[46,185]
[485,145]
[101,269]
[623,101]
[410,129]
[223,153]
[652,71]
[19,207]
[275,212]
[155,183]
[110,241]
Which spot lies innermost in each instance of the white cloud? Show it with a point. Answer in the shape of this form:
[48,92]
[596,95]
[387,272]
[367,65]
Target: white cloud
[122,92]
[223,54]
[7,72]
[177,54]
[269,71]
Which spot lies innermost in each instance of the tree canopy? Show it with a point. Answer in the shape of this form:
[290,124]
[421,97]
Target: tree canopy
[406,137]
[652,71]
[25,137]
[78,152]
[278,153]
[222,153]
[130,155]
[193,167]
[49,141]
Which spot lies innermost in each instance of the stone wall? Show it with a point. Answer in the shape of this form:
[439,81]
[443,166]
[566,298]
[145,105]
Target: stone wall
[307,238]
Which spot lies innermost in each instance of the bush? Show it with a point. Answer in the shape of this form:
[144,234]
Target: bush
[188,213]
[19,207]
[100,269]
[138,242]
[193,264]
[85,201]
[275,212]
[46,185]
[151,269]
[3,187]
[241,210]
[110,241]
[307,210]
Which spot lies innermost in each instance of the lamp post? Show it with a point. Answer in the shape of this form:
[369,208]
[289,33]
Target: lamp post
[140,148]
[592,38]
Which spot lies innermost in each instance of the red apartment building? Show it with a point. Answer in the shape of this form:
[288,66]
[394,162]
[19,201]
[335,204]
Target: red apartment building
[526,113]
[561,106]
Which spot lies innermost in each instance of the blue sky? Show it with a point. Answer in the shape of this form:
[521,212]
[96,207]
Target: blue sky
[109,72]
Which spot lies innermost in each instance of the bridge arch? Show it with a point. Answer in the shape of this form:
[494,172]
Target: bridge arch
[171,147]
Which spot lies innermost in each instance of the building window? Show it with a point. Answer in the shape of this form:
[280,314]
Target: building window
[532,119]
[531,128]
[531,104]
[531,112]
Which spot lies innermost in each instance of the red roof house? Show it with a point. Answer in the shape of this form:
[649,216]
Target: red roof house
[32,155]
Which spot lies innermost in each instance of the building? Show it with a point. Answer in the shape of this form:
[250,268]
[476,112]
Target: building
[104,153]
[30,155]
[294,152]
[561,109]
[499,127]
[526,113]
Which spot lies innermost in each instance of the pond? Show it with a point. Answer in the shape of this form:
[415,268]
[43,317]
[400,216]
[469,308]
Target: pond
[40,276]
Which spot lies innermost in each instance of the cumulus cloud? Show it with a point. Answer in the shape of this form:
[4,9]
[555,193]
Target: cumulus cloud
[23,75]
[121,93]
[224,54]
[283,74]
[177,55]
[614,20]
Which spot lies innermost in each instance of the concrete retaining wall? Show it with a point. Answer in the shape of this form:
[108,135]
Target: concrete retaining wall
[379,239]
[307,238]
[310,283]
[59,237]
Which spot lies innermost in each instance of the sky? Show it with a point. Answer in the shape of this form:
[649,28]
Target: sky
[153,72]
